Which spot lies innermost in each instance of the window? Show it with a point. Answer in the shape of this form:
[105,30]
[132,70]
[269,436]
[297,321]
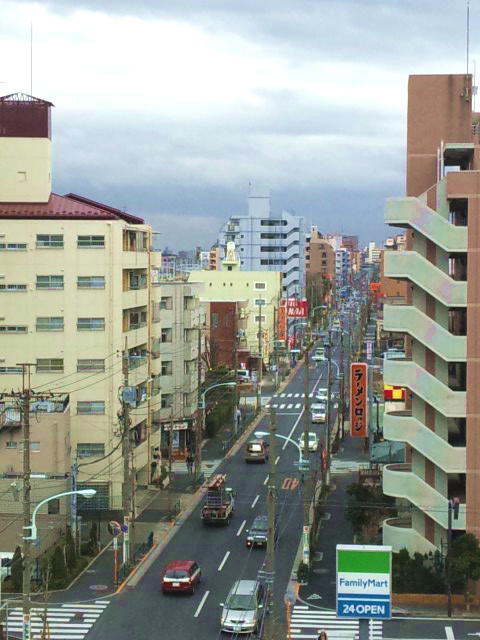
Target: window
[260,285]
[166,335]
[90,449]
[9,370]
[95,408]
[49,365]
[90,324]
[214,320]
[91,282]
[49,324]
[13,287]
[89,242]
[49,241]
[189,366]
[91,364]
[35,447]
[11,445]
[166,302]
[273,249]
[324,254]
[167,369]
[53,507]
[49,282]
[13,246]
[167,400]
[4,328]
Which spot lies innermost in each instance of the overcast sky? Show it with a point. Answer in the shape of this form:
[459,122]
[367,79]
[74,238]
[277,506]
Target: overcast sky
[171,107]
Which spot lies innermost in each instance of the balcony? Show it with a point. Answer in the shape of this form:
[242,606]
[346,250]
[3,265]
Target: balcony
[405,373]
[412,212]
[399,534]
[400,482]
[414,267]
[401,426]
[134,298]
[409,319]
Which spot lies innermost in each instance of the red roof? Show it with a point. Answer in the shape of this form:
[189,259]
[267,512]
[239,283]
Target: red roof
[70,207]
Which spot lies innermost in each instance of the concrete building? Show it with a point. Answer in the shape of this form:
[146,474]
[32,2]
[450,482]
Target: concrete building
[181,345]
[441,318]
[343,267]
[319,256]
[372,253]
[268,241]
[257,290]
[75,291]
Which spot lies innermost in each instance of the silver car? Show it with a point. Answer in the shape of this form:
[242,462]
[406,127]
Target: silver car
[243,608]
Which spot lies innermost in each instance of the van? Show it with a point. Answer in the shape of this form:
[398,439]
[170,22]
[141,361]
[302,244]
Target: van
[243,608]
[256,451]
[243,375]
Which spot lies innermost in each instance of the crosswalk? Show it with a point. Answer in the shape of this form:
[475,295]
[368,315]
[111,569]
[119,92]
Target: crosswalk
[64,622]
[307,622]
[287,401]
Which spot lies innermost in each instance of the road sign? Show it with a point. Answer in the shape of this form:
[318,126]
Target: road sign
[303,465]
[306,544]
[364,581]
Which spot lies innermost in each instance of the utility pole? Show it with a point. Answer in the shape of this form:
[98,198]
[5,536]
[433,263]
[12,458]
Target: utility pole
[271,507]
[306,425]
[329,393]
[127,485]
[453,507]
[260,357]
[235,367]
[200,423]
[27,569]
[341,407]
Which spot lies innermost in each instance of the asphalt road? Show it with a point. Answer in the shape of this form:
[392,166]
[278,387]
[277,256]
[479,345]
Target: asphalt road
[144,612]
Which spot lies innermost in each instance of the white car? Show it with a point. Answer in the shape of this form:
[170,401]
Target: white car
[312,441]
[319,355]
[319,412]
[321,395]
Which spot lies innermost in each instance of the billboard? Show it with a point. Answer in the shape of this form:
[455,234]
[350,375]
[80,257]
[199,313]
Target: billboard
[297,308]
[358,399]
[282,321]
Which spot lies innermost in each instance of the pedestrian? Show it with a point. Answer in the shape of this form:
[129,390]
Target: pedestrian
[322,635]
[190,463]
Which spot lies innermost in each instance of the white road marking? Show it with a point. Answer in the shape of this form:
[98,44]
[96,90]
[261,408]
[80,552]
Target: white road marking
[289,406]
[255,501]
[282,406]
[225,558]
[293,429]
[298,405]
[265,482]
[277,459]
[297,395]
[289,395]
[449,633]
[241,527]
[282,395]
[202,602]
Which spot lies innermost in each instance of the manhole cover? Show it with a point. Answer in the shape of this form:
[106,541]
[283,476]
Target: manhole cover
[98,587]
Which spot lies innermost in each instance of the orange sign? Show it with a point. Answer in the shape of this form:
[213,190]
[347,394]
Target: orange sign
[282,321]
[358,400]
[391,394]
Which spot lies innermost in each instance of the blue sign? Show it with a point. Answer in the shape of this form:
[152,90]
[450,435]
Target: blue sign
[349,606]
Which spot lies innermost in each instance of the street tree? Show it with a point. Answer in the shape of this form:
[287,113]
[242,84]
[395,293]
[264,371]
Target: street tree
[465,563]
[16,575]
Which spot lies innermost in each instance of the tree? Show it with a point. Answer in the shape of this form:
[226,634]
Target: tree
[59,569]
[16,575]
[465,563]
[70,551]
[365,506]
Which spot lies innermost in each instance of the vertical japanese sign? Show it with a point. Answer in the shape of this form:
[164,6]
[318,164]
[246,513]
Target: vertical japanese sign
[282,321]
[358,399]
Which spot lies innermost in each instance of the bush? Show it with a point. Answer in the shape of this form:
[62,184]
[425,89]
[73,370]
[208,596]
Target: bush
[59,569]
[418,573]
[16,575]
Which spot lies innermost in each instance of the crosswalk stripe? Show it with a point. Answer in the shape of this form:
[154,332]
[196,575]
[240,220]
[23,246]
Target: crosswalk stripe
[306,623]
[282,406]
[289,395]
[298,405]
[289,406]
[282,395]
[297,395]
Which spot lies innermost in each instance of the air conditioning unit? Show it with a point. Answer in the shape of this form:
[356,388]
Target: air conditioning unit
[242,314]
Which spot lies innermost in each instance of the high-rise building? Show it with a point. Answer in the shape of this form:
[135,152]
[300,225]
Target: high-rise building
[76,299]
[268,241]
[319,256]
[441,318]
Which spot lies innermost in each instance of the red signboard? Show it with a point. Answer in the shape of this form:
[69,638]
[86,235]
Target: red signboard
[296,308]
[282,321]
[358,400]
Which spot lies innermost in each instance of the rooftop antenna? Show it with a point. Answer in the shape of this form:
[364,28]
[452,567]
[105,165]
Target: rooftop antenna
[31,58]
[468,30]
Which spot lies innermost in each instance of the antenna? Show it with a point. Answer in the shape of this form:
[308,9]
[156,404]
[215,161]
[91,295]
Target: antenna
[31,59]
[468,30]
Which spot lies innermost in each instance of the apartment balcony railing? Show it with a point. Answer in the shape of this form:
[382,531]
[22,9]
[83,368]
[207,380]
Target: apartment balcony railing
[409,319]
[399,534]
[414,267]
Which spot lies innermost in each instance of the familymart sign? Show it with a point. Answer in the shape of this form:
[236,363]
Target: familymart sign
[364,581]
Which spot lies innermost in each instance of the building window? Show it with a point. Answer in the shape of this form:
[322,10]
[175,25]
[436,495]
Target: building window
[214,320]
[49,282]
[166,302]
[91,364]
[13,246]
[11,444]
[49,324]
[90,449]
[260,285]
[91,282]
[166,335]
[95,408]
[167,400]
[324,263]
[13,328]
[53,507]
[90,242]
[90,324]
[167,369]
[49,241]
[13,287]
[35,447]
[49,365]
[10,370]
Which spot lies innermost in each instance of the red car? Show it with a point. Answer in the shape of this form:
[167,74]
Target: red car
[181,576]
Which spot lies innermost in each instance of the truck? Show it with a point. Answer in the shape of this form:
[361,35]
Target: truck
[219,502]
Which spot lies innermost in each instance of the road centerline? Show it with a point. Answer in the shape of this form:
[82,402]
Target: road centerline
[202,602]
[241,527]
[276,460]
[225,558]
[255,501]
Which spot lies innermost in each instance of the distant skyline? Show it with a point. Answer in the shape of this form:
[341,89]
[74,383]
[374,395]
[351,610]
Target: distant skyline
[170,109]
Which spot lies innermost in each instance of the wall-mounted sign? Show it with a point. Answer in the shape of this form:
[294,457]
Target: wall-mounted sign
[358,399]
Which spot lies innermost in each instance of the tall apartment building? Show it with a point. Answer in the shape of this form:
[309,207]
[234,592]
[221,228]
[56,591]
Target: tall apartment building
[268,241]
[75,292]
[319,256]
[182,342]
[441,318]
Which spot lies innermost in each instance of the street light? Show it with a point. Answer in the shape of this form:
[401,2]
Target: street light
[263,434]
[87,493]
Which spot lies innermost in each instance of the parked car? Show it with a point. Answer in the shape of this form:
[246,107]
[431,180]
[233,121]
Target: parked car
[319,354]
[181,576]
[312,443]
[243,609]
[256,451]
[257,535]
[243,375]
[319,412]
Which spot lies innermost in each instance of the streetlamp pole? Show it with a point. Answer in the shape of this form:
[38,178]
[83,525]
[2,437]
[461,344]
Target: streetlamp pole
[27,569]
[270,556]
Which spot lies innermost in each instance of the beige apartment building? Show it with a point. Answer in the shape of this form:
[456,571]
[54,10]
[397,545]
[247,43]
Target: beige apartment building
[440,319]
[77,300]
